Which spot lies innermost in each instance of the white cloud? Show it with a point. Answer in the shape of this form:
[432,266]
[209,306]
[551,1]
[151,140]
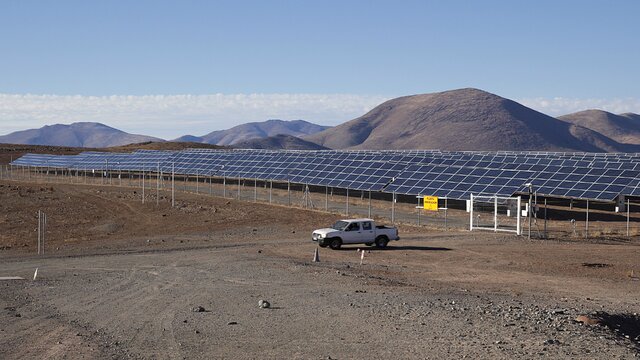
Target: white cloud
[562,106]
[169,116]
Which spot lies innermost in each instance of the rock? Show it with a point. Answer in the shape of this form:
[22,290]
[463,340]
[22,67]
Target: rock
[587,320]
[264,304]
[232,323]
[198,309]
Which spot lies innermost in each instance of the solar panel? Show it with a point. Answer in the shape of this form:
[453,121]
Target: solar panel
[452,174]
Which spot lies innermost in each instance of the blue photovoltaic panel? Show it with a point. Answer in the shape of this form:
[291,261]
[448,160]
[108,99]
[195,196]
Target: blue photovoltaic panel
[452,174]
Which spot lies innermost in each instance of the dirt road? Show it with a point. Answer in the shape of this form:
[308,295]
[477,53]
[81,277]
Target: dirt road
[121,279]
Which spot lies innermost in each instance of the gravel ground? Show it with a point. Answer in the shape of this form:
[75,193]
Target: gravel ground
[123,279]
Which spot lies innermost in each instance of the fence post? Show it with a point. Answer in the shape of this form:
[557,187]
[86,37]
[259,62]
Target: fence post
[173,184]
[546,236]
[393,208]
[471,213]
[326,198]
[495,214]
[627,217]
[158,185]
[347,201]
[39,229]
[446,207]
[586,223]
[518,226]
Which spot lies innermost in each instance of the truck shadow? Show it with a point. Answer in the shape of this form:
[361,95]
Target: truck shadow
[406,247]
[413,247]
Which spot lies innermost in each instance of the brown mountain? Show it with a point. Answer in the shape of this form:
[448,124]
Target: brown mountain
[623,128]
[465,119]
[80,134]
[279,142]
[254,130]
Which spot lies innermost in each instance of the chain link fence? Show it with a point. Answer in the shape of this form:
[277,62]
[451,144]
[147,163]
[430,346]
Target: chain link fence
[550,218]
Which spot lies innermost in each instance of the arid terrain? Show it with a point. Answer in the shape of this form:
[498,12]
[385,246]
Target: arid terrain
[124,279]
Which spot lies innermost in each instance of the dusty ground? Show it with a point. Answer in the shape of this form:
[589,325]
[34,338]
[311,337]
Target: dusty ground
[121,278]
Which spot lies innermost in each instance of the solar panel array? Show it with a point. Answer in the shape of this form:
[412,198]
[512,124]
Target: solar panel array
[455,175]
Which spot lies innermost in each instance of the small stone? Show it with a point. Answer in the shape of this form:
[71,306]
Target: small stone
[264,304]
[198,309]
[232,323]
[587,320]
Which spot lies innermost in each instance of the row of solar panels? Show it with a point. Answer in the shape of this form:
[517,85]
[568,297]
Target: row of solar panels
[455,175]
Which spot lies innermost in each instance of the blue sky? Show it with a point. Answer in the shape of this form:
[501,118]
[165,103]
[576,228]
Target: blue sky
[124,62]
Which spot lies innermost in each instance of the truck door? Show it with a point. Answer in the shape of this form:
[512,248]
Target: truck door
[368,232]
[352,233]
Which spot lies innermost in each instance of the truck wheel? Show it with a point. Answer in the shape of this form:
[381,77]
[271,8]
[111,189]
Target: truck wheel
[335,243]
[369,244]
[382,241]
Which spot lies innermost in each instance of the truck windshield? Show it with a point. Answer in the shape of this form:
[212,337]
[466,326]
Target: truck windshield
[340,225]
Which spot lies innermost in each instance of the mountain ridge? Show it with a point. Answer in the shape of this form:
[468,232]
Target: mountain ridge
[462,119]
[78,134]
[251,130]
[623,128]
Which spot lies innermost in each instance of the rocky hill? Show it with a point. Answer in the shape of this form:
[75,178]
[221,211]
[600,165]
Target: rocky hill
[287,142]
[80,134]
[464,119]
[623,128]
[254,130]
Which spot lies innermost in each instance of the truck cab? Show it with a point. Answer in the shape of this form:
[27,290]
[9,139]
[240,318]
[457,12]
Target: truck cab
[355,231]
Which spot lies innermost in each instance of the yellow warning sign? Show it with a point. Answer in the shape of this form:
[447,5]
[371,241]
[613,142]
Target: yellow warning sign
[430,203]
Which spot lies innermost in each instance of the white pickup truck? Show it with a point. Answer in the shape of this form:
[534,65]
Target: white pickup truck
[355,231]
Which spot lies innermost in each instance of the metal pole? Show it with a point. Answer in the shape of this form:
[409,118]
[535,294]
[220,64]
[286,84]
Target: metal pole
[238,188]
[255,190]
[369,203]
[326,198]
[44,231]
[289,193]
[546,236]
[143,186]
[519,212]
[586,223]
[419,212]
[158,185]
[173,184]
[471,213]
[495,214]
[224,186]
[393,208]
[210,185]
[529,212]
[347,201]
[445,213]
[197,182]
[270,190]
[627,217]
[39,229]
